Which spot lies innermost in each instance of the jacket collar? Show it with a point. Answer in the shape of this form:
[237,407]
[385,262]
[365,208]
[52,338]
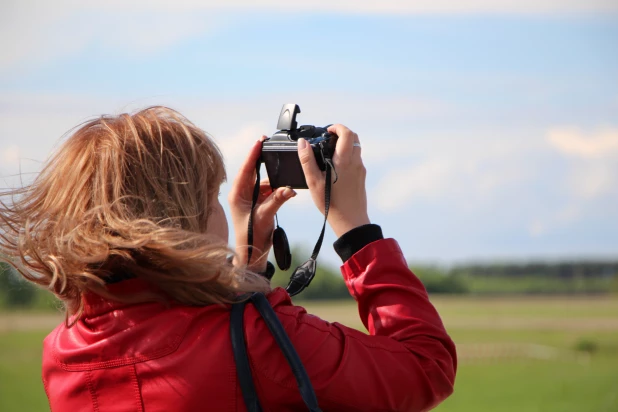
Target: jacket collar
[96,305]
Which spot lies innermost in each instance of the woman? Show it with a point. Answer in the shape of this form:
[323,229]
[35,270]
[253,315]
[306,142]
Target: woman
[125,227]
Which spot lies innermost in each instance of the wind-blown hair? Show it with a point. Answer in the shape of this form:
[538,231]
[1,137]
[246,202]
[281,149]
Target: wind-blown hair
[125,195]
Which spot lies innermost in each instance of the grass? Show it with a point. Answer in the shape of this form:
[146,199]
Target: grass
[556,307]
[536,386]
[517,384]
[21,388]
[561,384]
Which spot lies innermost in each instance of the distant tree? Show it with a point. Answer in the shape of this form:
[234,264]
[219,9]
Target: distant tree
[485,278]
[558,270]
[437,280]
[327,283]
[14,292]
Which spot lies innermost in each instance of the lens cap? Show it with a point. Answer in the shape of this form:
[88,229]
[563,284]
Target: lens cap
[281,248]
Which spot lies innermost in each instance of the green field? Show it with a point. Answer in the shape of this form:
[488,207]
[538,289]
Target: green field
[516,354]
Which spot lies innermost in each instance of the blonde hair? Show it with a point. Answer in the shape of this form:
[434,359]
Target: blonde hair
[126,195]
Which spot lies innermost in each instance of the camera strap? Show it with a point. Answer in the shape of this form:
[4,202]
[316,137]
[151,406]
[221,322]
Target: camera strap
[243,367]
[303,274]
[256,194]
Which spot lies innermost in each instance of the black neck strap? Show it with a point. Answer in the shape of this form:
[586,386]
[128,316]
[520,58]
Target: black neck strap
[304,274]
[243,367]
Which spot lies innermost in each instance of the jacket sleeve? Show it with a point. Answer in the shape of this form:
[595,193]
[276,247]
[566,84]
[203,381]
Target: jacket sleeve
[406,363]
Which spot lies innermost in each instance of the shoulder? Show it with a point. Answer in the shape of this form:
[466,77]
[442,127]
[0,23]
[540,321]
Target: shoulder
[311,336]
[291,315]
[129,335]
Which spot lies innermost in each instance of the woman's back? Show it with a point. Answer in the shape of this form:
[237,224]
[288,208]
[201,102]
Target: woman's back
[155,358]
[146,356]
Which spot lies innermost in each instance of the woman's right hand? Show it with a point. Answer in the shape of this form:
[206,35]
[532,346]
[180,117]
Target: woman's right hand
[348,198]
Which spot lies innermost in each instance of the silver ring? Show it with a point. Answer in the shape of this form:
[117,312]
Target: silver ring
[356,144]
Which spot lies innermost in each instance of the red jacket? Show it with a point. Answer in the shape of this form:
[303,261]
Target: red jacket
[148,357]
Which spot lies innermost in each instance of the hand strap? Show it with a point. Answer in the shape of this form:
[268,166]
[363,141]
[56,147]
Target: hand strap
[256,194]
[283,341]
[304,274]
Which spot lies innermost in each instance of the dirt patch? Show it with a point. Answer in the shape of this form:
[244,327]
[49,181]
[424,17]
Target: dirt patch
[48,321]
[10,322]
[514,323]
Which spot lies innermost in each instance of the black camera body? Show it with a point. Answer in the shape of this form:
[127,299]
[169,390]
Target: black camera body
[280,151]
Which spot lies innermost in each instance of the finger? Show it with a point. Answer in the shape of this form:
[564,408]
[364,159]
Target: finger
[272,203]
[265,190]
[312,172]
[345,141]
[245,180]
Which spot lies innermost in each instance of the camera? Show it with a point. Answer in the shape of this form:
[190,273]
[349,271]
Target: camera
[280,151]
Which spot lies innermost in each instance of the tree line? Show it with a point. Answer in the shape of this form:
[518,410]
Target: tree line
[576,277]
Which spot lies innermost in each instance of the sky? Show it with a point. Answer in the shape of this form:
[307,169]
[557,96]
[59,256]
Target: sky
[489,128]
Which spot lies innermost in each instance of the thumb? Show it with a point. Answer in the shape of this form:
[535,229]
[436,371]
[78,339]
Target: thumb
[312,172]
[272,203]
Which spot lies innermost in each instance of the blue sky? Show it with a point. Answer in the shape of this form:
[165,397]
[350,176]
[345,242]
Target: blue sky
[489,129]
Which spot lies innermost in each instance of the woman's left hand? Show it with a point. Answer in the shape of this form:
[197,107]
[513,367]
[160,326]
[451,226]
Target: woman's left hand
[269,202]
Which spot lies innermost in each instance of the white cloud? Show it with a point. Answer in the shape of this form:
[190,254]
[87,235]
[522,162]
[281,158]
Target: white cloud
[235,144]
[401,186]
[562,217]
[10,163]
[41,31]
[576,142]
[505,170]
[481,178]
[32,125]
[467,169]
[568,214]
[9,155]
[152,34]
[590,180]
[49,31]
[593,159]
[537,228]
[370,6]
[9,160]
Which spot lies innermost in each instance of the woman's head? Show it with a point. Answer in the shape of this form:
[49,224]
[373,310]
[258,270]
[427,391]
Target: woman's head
[152,165]
[133,195]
